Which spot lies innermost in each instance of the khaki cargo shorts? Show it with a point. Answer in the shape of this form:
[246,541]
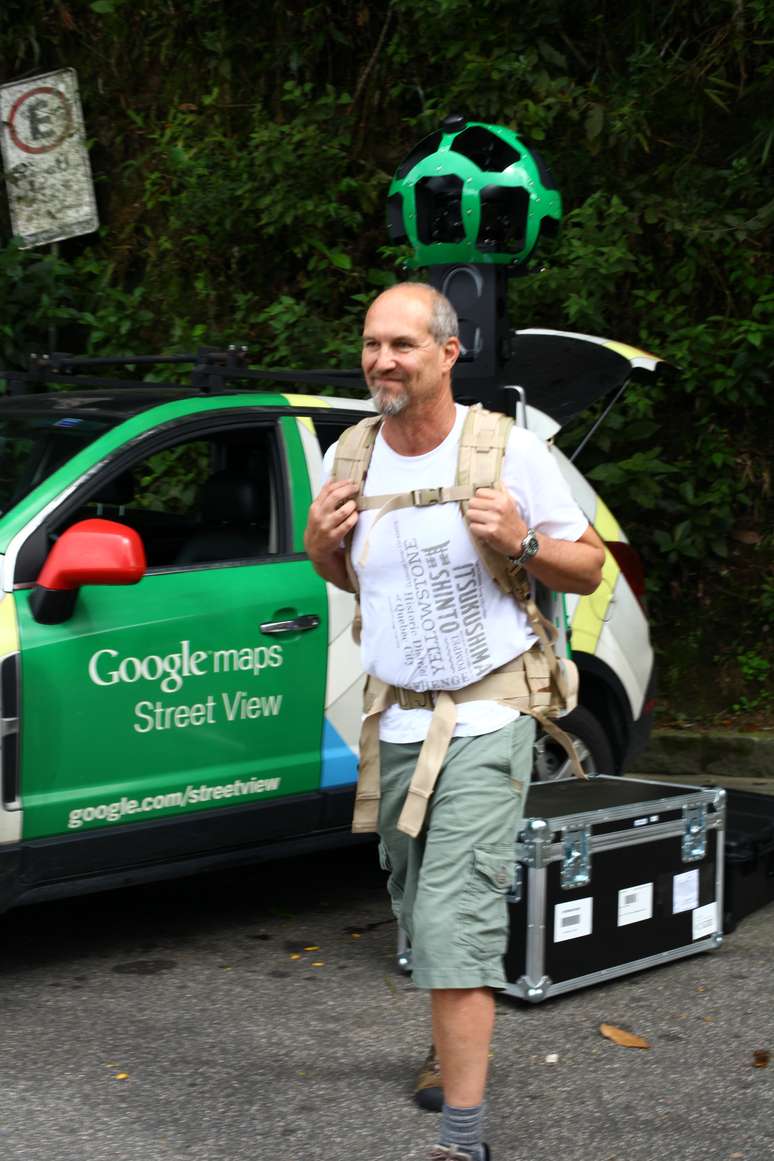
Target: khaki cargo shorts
[448,885]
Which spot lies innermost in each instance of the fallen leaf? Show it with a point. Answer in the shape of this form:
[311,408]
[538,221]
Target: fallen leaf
[121,1076]
[312,947]
[319,963]
[761,1058]
[356,935]
[295,955]
[622,1037]
[552,1058]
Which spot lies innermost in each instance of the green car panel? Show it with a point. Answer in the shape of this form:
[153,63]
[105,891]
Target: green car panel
[141,706]
[166,697]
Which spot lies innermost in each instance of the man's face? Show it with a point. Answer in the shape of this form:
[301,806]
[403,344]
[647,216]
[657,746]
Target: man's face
[402,363]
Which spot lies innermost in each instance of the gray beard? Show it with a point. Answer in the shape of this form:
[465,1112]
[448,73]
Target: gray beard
[387,404]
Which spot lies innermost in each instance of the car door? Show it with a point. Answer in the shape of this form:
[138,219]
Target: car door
[201,688]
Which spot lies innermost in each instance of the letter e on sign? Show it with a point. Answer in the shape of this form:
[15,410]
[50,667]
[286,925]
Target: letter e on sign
[47,169]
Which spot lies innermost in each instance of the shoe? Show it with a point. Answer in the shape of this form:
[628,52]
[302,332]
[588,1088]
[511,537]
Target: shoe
[428,1091]
[455,1153]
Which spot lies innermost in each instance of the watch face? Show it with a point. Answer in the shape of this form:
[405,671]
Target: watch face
[529,545]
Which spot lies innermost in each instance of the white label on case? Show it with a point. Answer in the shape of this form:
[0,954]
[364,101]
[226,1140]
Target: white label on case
[635,904]
[705,921]
[572,920]
[685,891]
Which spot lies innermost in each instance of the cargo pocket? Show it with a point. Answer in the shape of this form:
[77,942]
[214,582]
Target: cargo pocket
[394,887]
[483,914]
[522,756]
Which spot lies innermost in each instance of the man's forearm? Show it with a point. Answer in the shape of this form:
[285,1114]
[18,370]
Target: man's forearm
[333,568]
[568,566]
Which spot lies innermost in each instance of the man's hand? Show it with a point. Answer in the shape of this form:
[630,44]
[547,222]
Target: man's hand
[566,566]
[331,516]
[494,517]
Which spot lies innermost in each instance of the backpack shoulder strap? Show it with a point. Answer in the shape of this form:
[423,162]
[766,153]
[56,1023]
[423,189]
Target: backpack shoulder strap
[353,455]
[483,442]
[354,450]
[482,450]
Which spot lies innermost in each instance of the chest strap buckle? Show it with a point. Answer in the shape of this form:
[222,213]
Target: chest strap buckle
[424,497]
[414,699]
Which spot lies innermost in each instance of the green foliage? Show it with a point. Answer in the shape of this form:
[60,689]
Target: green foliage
[243,152]
[755,671]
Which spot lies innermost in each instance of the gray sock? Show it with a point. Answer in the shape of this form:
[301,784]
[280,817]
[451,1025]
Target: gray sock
[463,1127]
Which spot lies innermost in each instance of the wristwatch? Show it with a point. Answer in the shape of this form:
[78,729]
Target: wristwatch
[529,547]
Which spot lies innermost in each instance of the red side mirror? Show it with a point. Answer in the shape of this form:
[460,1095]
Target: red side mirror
[92,552]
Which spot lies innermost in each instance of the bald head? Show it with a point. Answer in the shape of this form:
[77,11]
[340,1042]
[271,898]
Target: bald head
[442,322]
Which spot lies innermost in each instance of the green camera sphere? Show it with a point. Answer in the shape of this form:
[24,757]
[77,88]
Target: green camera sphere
[472,192]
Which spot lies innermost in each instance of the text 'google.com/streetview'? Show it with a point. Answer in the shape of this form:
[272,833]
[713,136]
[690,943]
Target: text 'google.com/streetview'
[116,811]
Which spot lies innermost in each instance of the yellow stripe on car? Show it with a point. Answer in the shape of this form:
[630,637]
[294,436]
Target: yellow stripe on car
[605,523]
[591,612]
[9,628]
[633,354]
[307,401]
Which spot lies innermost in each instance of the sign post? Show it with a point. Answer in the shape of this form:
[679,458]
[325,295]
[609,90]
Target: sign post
[47,169]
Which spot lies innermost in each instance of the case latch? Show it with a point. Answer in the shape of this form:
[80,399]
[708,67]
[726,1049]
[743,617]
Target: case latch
[515,889]
[576,861]
[694,832]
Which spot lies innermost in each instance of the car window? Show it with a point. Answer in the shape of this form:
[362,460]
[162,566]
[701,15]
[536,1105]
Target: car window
[33,446]
[202,500]
[171,481]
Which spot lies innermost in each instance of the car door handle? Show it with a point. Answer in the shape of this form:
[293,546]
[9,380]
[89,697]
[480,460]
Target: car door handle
[295,625]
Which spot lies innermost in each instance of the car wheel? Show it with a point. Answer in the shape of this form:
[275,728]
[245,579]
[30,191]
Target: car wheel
[590,742]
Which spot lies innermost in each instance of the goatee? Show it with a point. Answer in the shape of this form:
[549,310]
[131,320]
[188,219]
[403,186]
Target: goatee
[387,404]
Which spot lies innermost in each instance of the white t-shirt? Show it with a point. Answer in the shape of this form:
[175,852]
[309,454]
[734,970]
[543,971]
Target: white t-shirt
[433,618]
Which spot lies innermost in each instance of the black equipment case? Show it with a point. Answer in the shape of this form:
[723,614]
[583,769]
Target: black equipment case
[612,876]
[749,873]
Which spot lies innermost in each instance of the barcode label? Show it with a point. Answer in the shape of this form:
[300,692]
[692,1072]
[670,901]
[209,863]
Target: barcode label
[635,904]
[705,921]
[572,920]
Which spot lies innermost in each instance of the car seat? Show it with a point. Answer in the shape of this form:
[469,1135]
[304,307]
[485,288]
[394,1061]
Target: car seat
[233,521]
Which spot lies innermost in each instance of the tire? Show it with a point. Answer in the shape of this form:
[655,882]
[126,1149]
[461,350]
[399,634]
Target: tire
[591,745]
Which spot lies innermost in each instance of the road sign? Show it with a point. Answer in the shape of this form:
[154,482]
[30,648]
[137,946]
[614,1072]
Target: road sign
[47,169]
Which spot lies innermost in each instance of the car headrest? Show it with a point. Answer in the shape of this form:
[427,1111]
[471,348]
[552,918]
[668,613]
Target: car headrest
[116,492]
[229,499]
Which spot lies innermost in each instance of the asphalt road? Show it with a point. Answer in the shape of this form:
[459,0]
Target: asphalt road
[259,1015]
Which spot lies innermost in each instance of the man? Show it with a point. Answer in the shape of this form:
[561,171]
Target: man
[434,620]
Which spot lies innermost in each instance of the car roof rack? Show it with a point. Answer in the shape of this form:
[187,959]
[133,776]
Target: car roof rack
[213,370]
